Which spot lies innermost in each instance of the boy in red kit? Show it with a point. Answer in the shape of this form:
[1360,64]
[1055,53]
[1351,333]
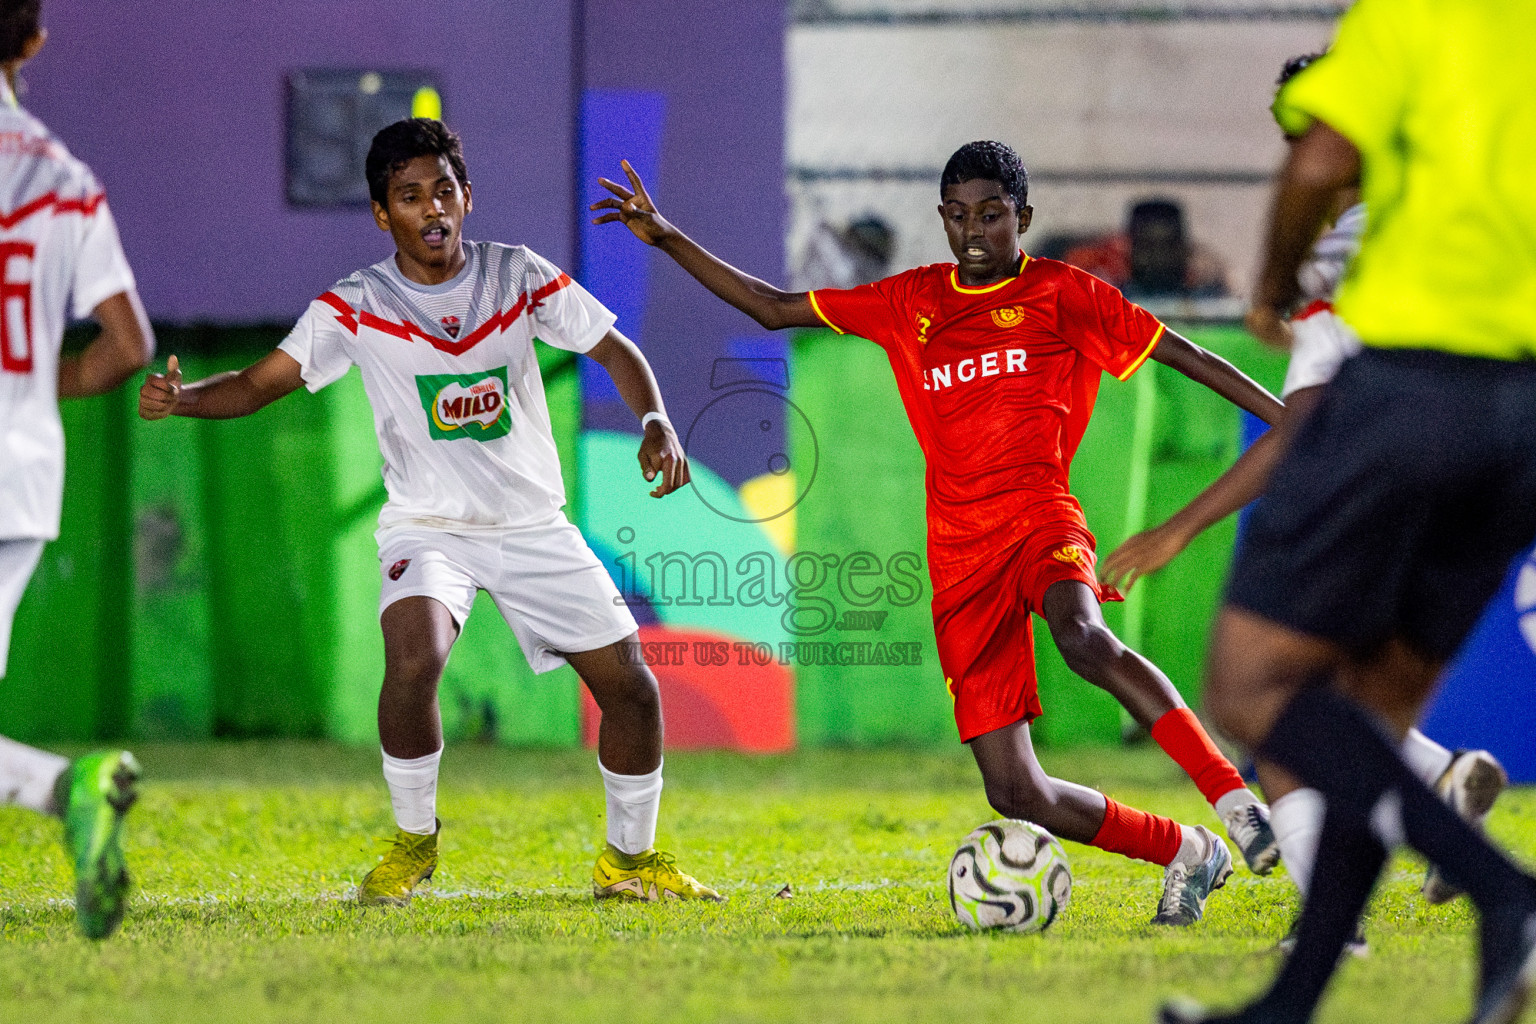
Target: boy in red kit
[998,358]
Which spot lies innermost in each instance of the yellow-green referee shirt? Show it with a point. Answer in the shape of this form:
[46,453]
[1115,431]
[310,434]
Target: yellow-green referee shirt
[1439,96]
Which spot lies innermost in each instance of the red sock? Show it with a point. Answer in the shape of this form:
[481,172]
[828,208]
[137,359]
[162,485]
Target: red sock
[1184,739]
[1138,834]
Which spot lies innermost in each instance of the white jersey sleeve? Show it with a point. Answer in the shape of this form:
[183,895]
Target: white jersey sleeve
[566,314]
[1321,273]
[101,269]
[1320,344]
[1320,340]
[321,342]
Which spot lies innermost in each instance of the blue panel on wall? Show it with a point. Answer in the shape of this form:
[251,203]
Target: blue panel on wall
[1488,698]
[758,346]
[616,124]
[1253,429]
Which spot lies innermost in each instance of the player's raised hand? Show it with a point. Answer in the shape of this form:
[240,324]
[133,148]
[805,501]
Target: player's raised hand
[632,207]
[160,392]
[1142,555]
[662,458]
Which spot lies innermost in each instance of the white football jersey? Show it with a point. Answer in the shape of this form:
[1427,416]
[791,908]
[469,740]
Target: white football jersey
[57,241]
[1320,340]
[451,373]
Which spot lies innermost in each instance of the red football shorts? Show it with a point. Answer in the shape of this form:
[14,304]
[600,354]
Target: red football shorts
[986,642]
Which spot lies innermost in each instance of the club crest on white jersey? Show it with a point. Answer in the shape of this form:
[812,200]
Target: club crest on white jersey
[456,363]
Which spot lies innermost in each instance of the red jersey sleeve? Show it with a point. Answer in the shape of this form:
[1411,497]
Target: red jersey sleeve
[1094,318]
[875,311]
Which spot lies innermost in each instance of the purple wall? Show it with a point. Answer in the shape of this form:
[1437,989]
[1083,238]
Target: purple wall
[178,106]
[721,67]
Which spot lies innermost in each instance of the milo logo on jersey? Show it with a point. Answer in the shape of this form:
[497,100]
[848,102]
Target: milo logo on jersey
[466,404]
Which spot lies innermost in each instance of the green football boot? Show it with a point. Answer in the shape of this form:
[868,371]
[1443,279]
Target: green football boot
[410,861]
[93,794]
[648,876]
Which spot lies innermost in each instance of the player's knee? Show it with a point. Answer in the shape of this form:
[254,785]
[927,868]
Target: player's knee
[1085,646]
[1229,704]
[415,669]
[639,687]
[1017,798]
[632,687]
[1232,696]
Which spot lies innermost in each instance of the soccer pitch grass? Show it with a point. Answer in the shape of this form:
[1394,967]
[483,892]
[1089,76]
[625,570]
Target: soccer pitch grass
[247,855]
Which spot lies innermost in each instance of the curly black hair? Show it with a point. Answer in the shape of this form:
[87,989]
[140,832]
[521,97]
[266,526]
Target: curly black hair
[19,21]
[398,144]
[990,161]
[1295,66]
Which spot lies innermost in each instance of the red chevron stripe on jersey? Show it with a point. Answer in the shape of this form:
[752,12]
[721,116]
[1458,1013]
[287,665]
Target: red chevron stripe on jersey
[348,317]
[351,319]
[48,200]
[1313,308]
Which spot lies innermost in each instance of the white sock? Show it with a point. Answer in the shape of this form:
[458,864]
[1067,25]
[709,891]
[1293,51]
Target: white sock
[1428,759]
[1194,849]
[1297,819]
[1229,802]
[413,791]
[1387,820]
[634,802]
[27,776]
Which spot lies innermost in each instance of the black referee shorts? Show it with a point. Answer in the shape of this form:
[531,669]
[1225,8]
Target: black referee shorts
[1400,506]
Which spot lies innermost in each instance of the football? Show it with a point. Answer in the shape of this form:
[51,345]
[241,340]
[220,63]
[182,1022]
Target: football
[1009,875]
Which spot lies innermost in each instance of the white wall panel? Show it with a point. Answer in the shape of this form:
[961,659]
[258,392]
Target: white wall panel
[807,10]
[1076,97]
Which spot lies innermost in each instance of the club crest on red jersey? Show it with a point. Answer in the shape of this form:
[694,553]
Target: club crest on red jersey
[398,569]
[923,323]
[1071,554]
[1008,316]
[451,325]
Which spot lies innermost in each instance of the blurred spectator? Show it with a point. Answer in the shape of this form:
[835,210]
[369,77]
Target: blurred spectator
[844,257]
[870,243]
[1153,257]
[1056,246]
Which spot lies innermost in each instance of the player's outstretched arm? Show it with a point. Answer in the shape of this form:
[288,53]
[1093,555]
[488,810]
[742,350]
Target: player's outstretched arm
[1150,550]
[1179,353]
[224,396]
[661,453]
[1318,164]
[122,349]
[771,307]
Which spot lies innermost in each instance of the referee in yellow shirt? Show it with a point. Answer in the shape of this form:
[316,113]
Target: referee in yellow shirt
[1408,492]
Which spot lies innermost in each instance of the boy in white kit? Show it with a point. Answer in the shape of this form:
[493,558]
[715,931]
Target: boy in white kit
[59,253]
[443,335]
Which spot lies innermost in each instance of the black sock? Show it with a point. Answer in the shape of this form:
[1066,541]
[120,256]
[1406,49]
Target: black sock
[1332,744]
[1349,860]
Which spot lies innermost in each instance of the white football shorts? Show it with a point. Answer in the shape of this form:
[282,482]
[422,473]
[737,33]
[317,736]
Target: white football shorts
[545,580]
[1320,344]
[18,560]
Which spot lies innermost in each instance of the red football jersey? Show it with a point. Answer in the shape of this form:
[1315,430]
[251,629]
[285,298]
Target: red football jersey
[998,383]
